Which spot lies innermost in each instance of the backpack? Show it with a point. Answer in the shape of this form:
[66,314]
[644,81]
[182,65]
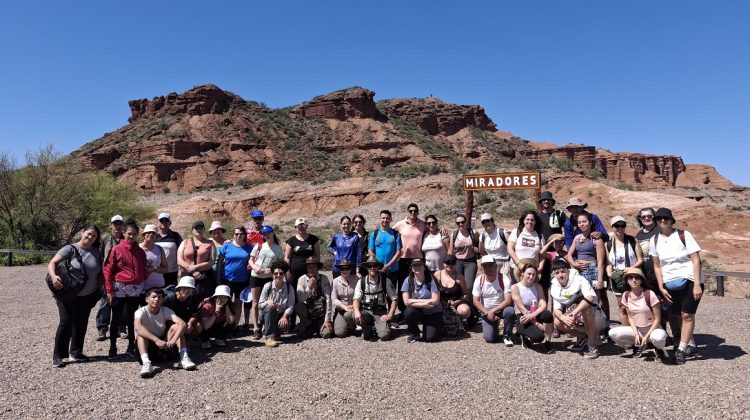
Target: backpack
[646,295]
[316,304]
[452,325]
[617,278]
[501,233]
[374,234]
[680,233]
[73,279]
[474,238]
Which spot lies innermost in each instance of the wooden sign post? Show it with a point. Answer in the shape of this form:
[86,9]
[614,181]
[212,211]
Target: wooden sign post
[504,181]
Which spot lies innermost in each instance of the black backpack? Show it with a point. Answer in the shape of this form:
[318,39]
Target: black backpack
[383,290]
[73,279]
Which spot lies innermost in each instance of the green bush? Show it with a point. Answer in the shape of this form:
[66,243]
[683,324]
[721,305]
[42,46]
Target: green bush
[594,173]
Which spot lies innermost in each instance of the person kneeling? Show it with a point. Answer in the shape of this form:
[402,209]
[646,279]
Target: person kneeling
[217,318]
[375,301]
[492,298]
[534,321]
[154,339]
[314,302]
[575,308]
[423,304]
[276,304]
[644,312]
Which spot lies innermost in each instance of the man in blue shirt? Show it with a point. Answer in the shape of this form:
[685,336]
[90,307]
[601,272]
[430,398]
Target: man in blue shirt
[575,206]
[384,244]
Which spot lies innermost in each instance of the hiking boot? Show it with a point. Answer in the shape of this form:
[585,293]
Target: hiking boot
[112,353]
[270,342]
[147,370]
[132,351]
[662,356]
[220,343]
[78,358]
[507,341]
[102,334]
[205,345]
[591,353]
[679,357]
[186,363]
[410,338]
[547,347]
[580,345]
[257,334]
[57,362]
[691,352]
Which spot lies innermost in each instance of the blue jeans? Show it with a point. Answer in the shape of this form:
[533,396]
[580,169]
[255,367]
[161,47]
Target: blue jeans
[104,314]
[468,269]
[490,328]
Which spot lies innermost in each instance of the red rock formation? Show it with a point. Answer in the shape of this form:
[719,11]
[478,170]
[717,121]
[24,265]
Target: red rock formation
[702,176]
[341,105]
[206,99]
[438,117]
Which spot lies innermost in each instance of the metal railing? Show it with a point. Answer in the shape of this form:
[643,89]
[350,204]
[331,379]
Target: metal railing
[721,276]
[10,253]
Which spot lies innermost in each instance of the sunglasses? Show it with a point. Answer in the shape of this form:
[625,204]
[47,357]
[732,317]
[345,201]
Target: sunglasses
[619,225]
[430,223]
[238,233]
[646,216]
[451,263]
[413,211]
[461,223]
[484,222]
[662,219]
[277,273]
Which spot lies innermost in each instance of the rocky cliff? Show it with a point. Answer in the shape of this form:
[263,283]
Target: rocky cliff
[208,137]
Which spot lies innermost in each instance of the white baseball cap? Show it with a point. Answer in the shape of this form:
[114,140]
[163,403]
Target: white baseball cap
[149,228]
[164,216]
[487,259]
[485,216]
[300,221]
[616,219]
[116,218]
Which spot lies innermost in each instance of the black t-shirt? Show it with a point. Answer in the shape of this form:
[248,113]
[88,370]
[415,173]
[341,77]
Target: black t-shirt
[552,222]
[301,250]
[644,240]
[185,310]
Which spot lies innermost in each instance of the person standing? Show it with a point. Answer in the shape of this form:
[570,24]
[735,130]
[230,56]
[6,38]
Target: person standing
[344,245]
[108,241]
[576,205]
[647,229]
[195,257]
[385,245]
[552,219]
[254,235]
[74,313]
[358,222]
[169,241]
[412,230]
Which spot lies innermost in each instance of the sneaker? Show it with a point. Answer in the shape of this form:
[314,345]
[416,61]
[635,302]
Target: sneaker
[205,345]
[132,351]
[394,325]
[691,352]
[410,338]
[112,354]
[220,343]
[57,362]
[591,353]
[679,357]
[257,334]
[357,328]
[270,342]
[78,358]
[507,341]
[662,356]
[102,334]
[147,370]
[580,345]
[547,347]
[186,363]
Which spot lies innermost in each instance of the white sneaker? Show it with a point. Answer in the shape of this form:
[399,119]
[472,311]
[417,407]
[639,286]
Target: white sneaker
[507,341]
[186,363]
[205,345]
[147,370]
[220,343]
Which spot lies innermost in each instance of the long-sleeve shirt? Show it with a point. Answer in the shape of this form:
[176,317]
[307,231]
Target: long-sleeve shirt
[126,264]
[284,297]
[346,247]
[571,230]
[343,292]
[304,292]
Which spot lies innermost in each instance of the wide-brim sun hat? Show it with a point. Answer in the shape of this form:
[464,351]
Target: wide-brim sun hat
[617,219]
[372,262]
[546,195]
[223,290]
[344,264]
[576,202]
[313,260]
[634,271]
[664,213]
[149,229]
[246,294]
[186,281]
[555,237]
[216,225]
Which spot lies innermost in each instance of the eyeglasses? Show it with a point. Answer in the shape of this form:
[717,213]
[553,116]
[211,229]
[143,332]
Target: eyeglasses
[258,218]
[278,273]
[646,216]
[463,222]
[619,225]
[413,211]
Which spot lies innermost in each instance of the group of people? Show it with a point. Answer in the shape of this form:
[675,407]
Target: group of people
[547,276]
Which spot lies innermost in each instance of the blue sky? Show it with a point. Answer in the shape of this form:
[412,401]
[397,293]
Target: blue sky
[666,77]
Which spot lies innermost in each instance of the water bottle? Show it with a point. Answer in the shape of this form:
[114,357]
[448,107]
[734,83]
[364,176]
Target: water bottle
[532,308]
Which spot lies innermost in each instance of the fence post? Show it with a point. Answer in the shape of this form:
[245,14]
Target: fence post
[720,286]
[10,259]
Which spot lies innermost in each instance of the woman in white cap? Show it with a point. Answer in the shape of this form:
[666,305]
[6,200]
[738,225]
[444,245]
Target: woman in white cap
[299,248]
[217,232]
[195,256]
[233,266]
[156,259]
[261,260]
[677,264]
[622,252]
[644,312]
[216,317]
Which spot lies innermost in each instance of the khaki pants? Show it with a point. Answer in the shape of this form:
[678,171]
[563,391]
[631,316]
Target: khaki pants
[371,319]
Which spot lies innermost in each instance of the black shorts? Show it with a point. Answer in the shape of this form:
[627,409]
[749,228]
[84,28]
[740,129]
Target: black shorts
[236,286]
[157,355]
[259,281]
[684,301]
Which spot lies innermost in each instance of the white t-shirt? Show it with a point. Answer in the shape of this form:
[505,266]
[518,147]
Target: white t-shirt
[528,244]
[577,286]
[491,294]
[494,244]
[674,257]
[616,255]
[156,323]
[434,251]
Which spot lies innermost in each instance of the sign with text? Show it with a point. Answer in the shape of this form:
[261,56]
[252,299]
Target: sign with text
[507,181]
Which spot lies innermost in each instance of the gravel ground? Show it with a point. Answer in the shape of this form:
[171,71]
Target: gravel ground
[464,378]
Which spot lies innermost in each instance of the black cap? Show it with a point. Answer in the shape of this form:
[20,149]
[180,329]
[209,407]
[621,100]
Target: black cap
[664,213]
[546,195]
[198,224]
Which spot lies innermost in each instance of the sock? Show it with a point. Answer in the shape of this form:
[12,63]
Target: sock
[691,342]
[683,346]
[183,352]
[144,358]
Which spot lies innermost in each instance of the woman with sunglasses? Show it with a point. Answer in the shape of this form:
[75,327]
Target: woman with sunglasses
[647,229]
[464,245]
[358,223]
[434,245]
[622,252]
[494,242]
[261,260]
[452,287]
[677,264]
[344,245]
[195,257]
[233,266]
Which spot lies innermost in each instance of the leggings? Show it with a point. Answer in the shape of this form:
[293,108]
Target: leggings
[433,323]
[468,268]
[71,330]
[123,310]
[531,331]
